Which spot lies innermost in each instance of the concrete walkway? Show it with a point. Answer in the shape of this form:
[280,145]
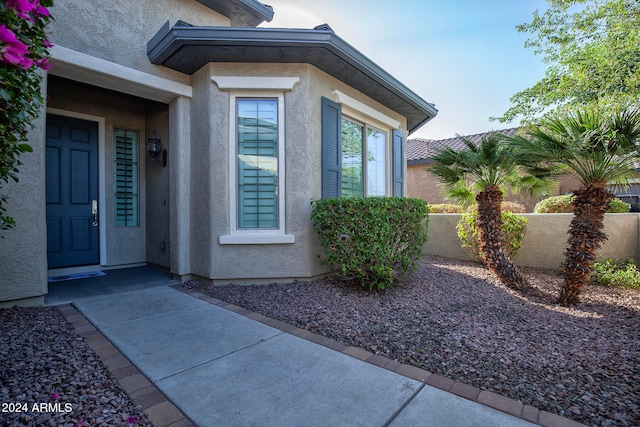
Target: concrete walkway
[221,367]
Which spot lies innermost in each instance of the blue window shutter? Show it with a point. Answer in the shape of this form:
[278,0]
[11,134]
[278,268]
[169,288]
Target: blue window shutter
[398,163]
[331,149]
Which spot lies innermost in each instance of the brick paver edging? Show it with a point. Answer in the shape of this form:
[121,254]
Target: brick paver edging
[160,410]
[483,397]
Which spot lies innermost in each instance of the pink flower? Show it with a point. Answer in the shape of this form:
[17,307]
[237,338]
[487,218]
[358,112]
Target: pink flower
[6,35]
[41,11]
[44,64]
[14,52]
[47,43]
[22,7]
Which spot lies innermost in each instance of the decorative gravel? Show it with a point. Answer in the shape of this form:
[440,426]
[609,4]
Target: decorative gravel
[50,377]
[455,319]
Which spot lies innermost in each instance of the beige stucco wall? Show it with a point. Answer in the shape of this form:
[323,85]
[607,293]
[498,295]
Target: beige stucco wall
[210,207]
[423,185]
[23,257]
[545,241]
[118,30]
[157,184]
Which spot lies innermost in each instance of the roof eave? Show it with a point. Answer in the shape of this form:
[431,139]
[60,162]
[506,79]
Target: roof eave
[242,13]
[256,45]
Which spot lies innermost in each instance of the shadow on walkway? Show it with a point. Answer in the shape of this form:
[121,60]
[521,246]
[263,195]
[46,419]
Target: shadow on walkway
[113,282]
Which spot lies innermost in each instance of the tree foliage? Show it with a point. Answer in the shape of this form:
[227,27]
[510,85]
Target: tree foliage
[597,148]
[592,48]
[487,168]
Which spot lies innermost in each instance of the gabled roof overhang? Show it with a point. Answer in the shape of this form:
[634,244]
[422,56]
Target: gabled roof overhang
[242,13]
[187,49]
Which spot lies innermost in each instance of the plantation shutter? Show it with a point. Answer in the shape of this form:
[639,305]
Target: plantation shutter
[398,163]
[331,149]
[126,177]
[257,163]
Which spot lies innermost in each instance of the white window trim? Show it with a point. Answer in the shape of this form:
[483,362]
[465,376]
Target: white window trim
[256,83]
[362,112]
[255,87]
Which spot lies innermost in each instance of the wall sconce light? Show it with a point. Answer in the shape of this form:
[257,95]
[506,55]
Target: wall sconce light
[154,147]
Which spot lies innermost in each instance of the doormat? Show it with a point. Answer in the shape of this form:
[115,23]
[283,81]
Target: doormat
[74,276]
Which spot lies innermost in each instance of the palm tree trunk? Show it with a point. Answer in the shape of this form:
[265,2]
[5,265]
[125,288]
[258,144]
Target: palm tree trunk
[585,237]
[491,238]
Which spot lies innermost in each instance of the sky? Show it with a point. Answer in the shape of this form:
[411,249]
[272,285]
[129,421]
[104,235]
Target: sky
[464,56]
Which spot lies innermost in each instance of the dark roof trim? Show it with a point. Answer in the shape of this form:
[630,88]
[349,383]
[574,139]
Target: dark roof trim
[419,162]
[187,49]
[242,13]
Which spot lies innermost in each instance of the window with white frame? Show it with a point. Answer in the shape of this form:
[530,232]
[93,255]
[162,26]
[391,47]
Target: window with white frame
[364,159]
[257,163]
[362,150]
[256,158]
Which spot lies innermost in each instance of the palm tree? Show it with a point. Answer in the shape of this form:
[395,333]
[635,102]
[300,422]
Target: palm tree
[487,168]
[597,148]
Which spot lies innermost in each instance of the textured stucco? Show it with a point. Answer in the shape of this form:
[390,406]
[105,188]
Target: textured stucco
[545,241]
[23,251]
[423,185]
[118,30]
[180,185]
[157,188]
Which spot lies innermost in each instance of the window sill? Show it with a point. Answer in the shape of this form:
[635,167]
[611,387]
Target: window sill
[257,239]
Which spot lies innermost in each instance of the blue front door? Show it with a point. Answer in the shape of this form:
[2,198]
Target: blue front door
[72,192]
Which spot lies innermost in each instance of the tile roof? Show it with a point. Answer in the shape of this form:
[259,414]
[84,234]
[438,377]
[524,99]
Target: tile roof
[419,149]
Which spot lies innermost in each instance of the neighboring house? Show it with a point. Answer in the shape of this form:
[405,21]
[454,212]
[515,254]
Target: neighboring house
[424,185]
[250,122]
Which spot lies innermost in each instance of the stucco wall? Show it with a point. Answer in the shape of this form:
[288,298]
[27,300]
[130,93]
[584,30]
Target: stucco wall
[545,241]
[423,185]
[210,209]
[88,26]
[157,188]
[124,245]
[23,257]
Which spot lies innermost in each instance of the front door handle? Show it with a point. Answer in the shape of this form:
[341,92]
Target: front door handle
[94,213]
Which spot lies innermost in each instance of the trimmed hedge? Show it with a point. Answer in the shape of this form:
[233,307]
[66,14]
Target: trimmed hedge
[564,204]
[505,206]
[446,208]
[367,240]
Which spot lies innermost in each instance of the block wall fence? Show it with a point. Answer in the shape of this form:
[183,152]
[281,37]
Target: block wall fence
[545,241]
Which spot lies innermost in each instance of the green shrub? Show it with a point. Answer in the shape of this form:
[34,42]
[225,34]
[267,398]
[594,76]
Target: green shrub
[618,206]
[555,204]
[564,204]
[505,206]
[367,240]
[514,228]
[513,207]
[612,273]
[446,208]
